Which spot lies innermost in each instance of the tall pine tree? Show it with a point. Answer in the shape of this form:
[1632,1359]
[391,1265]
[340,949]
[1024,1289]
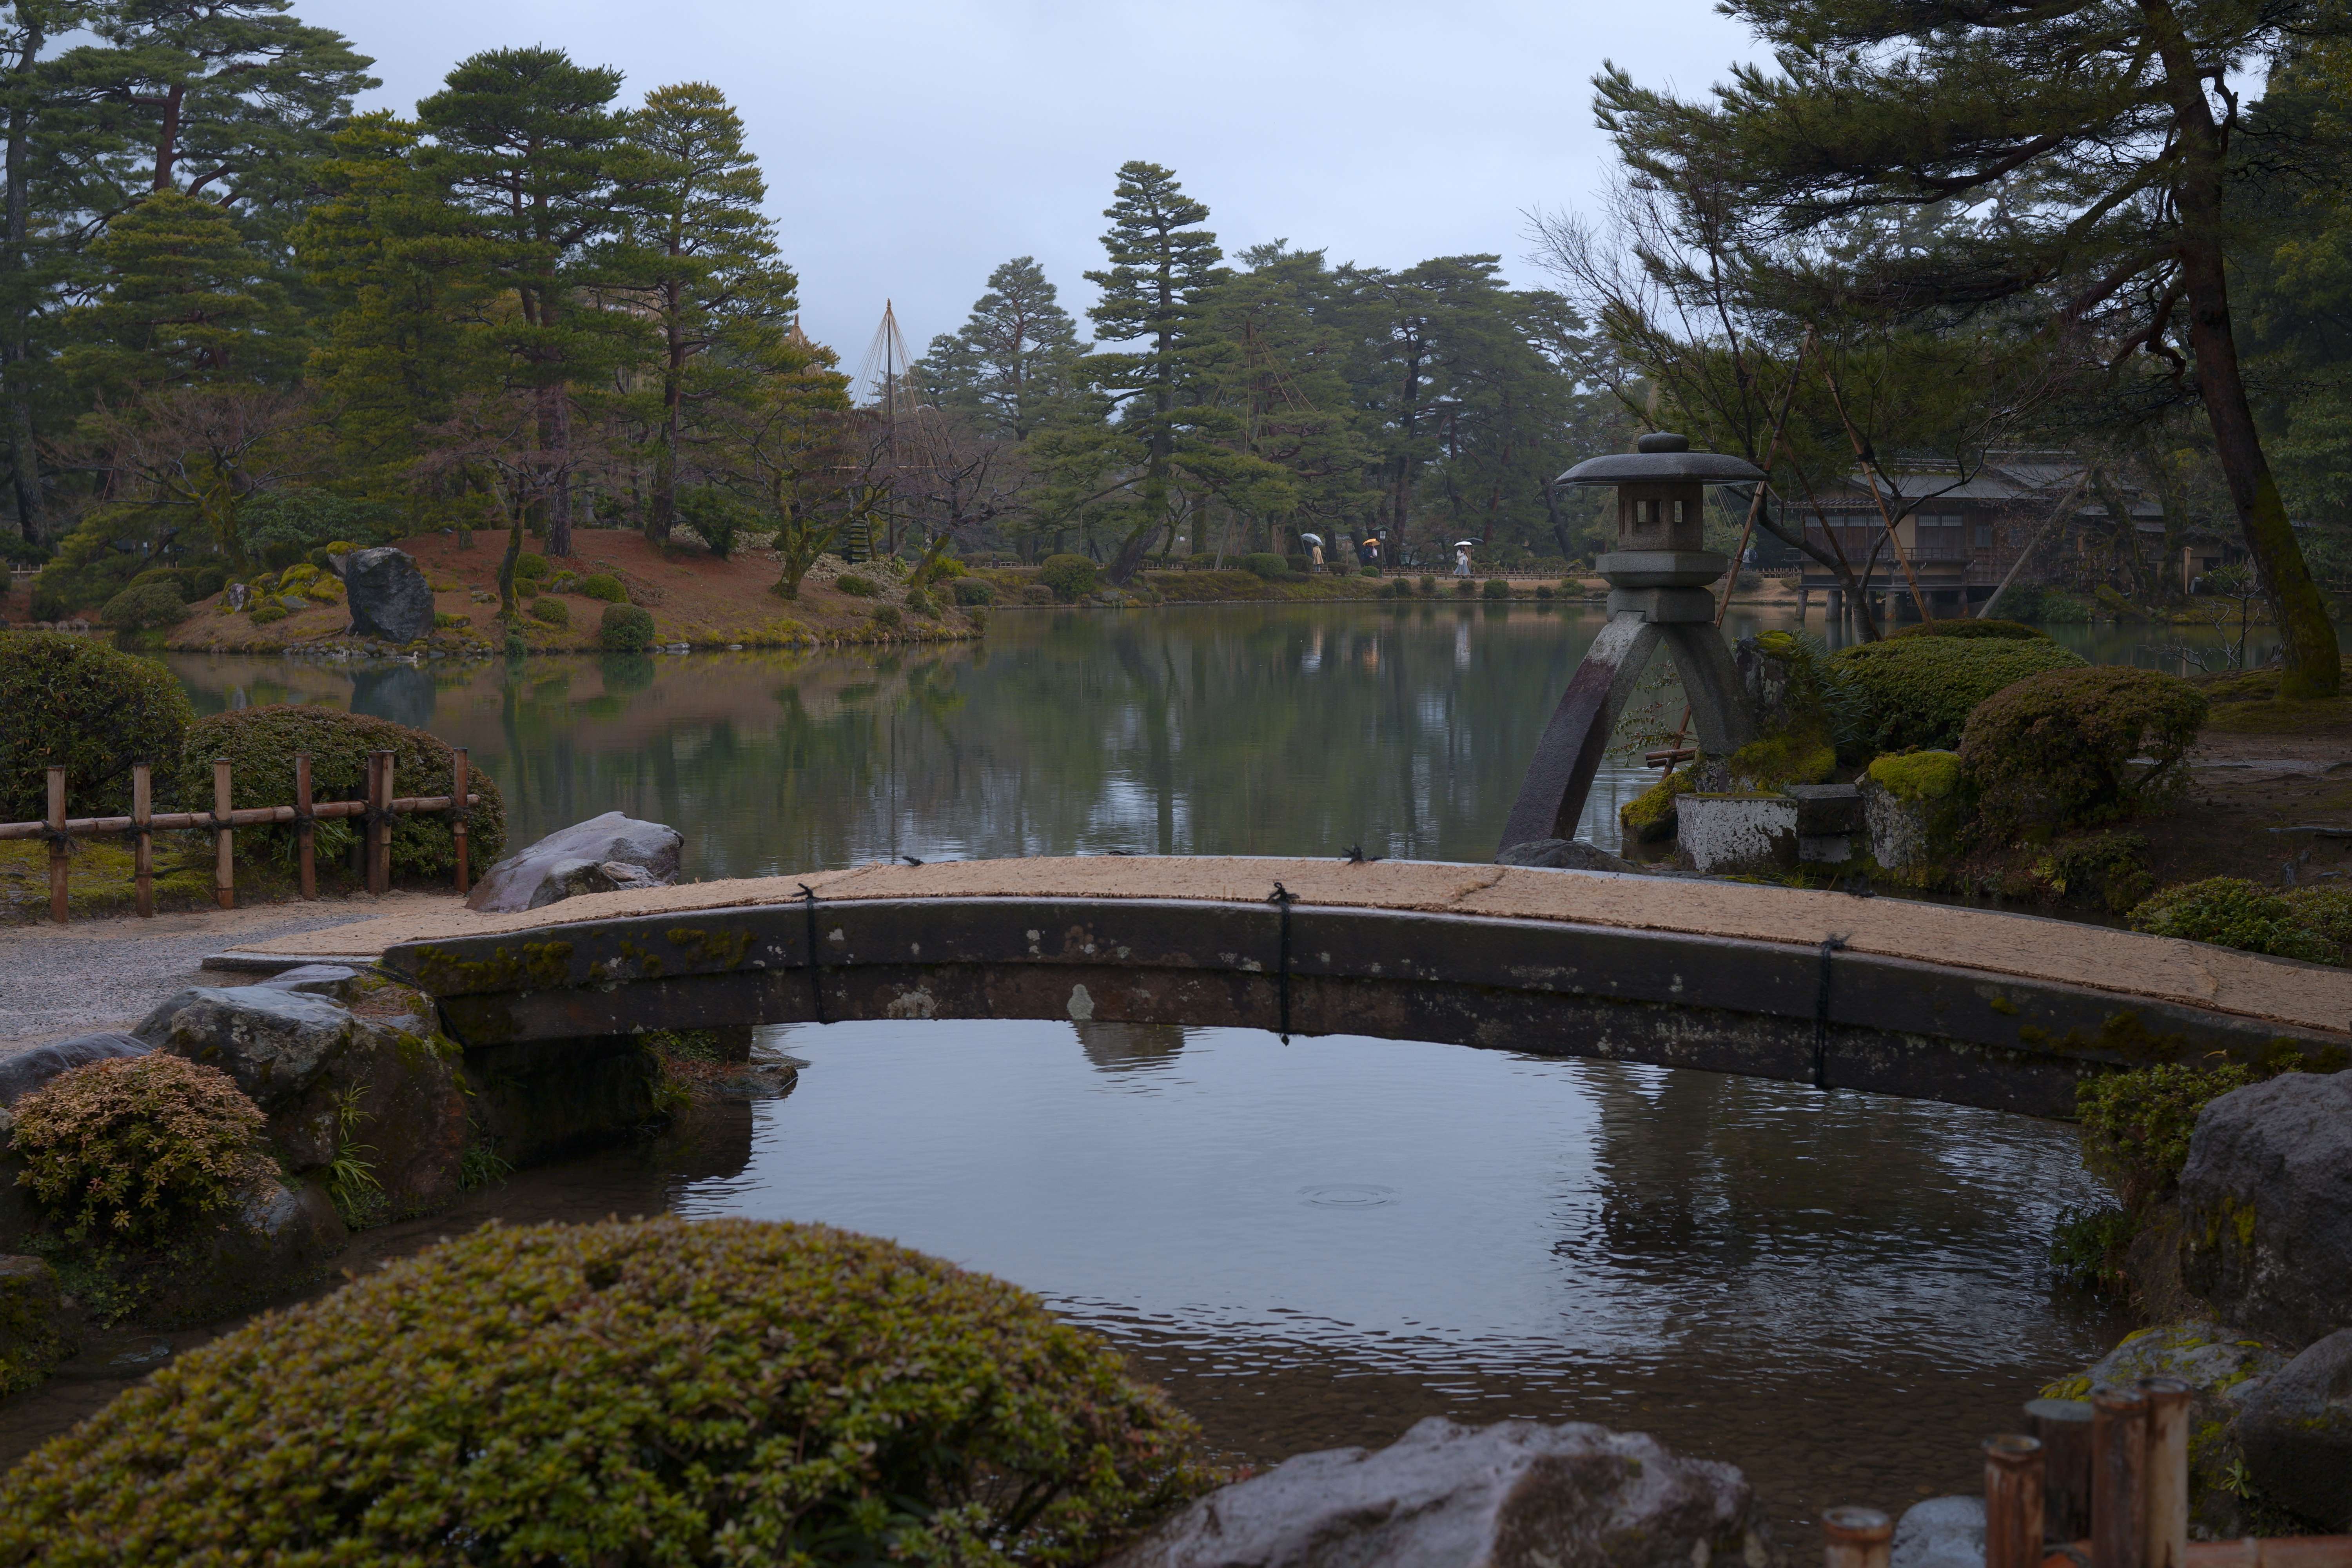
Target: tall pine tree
[1015,360]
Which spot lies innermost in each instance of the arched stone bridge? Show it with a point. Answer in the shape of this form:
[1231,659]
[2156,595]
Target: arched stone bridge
[1966,1005]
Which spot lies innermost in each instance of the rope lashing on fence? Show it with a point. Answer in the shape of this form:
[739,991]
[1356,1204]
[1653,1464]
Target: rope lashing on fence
[816,988]
[1282,898]
[1830,944]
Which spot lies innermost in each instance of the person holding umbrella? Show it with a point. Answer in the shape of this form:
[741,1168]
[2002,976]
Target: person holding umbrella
[1314,542]
[1462,549]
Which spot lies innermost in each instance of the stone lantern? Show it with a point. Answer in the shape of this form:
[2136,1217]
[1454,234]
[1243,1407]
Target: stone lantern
[1659,577]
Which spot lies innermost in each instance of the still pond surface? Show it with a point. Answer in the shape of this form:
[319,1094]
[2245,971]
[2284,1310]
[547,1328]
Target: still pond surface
[1318,1244]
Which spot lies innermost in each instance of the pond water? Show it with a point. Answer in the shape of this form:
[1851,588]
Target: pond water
[1318,1244]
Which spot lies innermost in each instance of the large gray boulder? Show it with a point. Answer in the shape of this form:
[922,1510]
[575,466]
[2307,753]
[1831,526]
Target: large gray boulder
[2296,1432]
[276,1237]
[1563,854]
[381,1084]
[2266,1207]
[389,596]
[22,1072]
[1514,1495]
[595,855]
[1942,1532]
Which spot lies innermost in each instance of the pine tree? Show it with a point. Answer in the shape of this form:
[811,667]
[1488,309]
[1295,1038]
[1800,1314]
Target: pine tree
[184,302]
[701,261]
[1014,360]
[1162,264]
[2093,141]
[527,143]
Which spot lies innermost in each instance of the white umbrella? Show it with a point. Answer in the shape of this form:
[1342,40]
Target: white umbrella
[1310,539]
[1465,544]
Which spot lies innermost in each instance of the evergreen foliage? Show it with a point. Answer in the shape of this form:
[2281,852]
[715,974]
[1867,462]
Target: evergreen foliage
[626,628]
[1919,691]
[654,1392]
[73,702]
[2059,748]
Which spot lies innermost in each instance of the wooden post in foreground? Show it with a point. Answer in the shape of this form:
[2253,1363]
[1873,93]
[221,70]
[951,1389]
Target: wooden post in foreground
[223,838]
[379,823]
[143,837]
[1856,1538]
[2118,1476]
[58,870]
[461,783]
[2164,1541]
[2064,1427]
[2012,1481]
[305,837]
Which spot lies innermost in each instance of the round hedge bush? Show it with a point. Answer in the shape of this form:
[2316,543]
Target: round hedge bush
[1072,577]
[971,591]
[1271,567]
[260,743]
[604,588]
[128,1152]
[888,615]
[550,612]
[530,566]
[856,586]
[920,602]
[2057,749]
[2000,631]
[145,606]
[2314,924]
[1496,588]
[657,1391]
[1917,693]
[94,710]
[626,628]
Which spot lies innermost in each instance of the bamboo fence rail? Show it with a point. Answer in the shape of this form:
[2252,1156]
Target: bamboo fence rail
[377,809]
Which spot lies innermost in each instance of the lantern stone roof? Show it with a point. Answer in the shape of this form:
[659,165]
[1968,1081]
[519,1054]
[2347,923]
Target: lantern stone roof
[1662,457]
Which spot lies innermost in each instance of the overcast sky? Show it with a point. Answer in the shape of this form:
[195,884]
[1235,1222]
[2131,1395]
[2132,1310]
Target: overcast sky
[911,147]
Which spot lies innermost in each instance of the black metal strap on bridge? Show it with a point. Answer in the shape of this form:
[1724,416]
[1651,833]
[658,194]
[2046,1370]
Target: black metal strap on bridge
[1282,898]
[816,987]
[1830,944]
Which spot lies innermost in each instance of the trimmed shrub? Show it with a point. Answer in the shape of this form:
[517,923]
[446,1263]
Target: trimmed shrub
[856,586]
[146,607]
[1298,565]
[1271,567]
[550,612]
[2135,1124]
[1496,588]
[2314,924]
[1071,577]
[654,1392]
[2000,631]
[1917,693]
[1543,591]
[260,743]
[718,518]
[1464,587]
[264,611]
[128,1152]
[530,565]
[72,702]
[604,588]
[2057,749]
[626,628]
[970,591]
[920,602]
[888,615]
[1427,585]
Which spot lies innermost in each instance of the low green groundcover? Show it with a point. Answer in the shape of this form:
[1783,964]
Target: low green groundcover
[721,1391]
[2314,924]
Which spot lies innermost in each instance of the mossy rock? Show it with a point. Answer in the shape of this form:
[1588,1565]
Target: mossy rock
[37,1329]
[664,1391]
[1649,818]
[1778,761]
[1917,777]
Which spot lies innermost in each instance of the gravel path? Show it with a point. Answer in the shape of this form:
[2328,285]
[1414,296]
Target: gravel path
[57,981]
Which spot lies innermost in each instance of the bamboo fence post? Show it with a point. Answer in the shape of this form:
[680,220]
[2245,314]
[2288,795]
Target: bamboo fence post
[2118,1474]
[305,839]
[379,820]
[2165,1531]
[1856,1538]
[2012,1481]
[224,838]
[2064,1427]
[58,866]
[460,802]
[143,836]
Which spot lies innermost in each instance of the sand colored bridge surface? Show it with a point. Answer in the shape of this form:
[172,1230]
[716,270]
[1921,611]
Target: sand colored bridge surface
[1975,1005]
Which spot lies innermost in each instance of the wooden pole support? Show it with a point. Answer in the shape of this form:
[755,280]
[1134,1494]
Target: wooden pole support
[2118,1477]
[2164,1541]
[2064,1426]
[461,785]
[58,865]
[306,841]
[143,831]
[2012,1481]
[1856,1538]
[379,833]
[223,838]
